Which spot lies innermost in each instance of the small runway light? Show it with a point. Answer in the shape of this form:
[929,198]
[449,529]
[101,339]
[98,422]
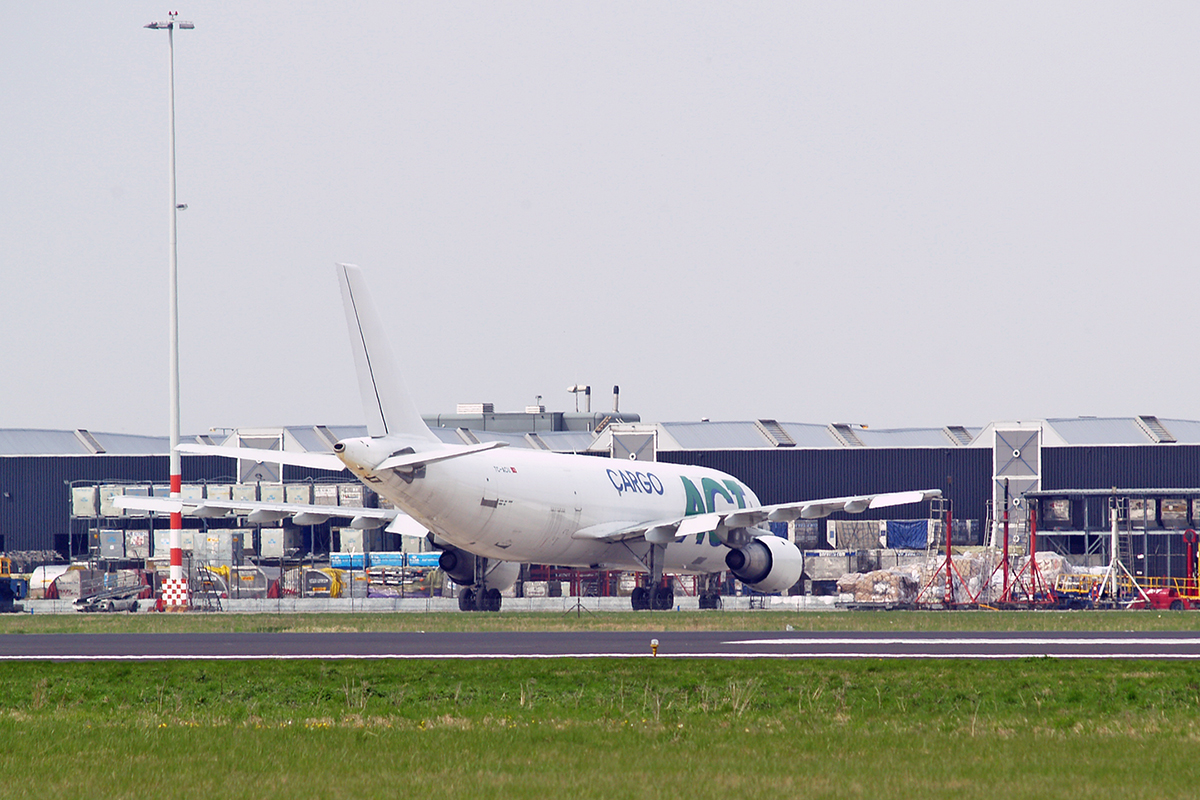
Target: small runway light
[654,647]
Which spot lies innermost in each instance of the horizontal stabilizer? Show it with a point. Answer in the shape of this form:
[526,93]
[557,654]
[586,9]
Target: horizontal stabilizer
[410,461]
[311,460]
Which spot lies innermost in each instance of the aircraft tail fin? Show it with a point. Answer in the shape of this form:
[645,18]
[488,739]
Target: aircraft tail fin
[388,406]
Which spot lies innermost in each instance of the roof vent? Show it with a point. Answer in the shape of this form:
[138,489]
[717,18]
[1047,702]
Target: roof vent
[536,441]
[845,434]
[774,433]
[466,435]
[87,440]
[1157,432]
[475,408]
[325,435]
[959,435]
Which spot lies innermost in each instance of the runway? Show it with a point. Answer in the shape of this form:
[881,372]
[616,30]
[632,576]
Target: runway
[616,644]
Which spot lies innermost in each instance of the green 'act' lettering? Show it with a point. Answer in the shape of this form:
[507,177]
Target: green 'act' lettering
[695,500]
[711,490]
[737,490]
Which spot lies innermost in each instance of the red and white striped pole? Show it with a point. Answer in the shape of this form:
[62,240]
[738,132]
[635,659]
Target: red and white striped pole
[175,590]
[949,558]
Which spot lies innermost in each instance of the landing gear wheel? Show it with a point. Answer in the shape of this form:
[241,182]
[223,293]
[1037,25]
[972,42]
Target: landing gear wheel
[640,598]
[664,598]
[466,599]
[491,600]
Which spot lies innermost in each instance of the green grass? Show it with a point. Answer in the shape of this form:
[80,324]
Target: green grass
[647,621]
[601,729]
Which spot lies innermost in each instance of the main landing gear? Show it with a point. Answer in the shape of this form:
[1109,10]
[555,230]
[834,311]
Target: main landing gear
[657,593]
[472,598]
[710,597]
[658,598]
[466,568]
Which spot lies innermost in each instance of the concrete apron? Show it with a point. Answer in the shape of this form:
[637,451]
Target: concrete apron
[345,605]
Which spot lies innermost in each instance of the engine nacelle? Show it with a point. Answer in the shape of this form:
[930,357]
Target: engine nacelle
[767,564]
[460,566]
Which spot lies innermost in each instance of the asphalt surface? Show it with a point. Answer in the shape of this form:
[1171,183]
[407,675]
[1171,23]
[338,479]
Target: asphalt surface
[616,644]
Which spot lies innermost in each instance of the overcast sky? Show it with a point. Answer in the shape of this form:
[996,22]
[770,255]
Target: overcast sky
[901,214]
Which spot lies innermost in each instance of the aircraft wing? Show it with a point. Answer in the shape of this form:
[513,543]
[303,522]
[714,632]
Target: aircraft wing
[815,509]
[666,530]
[265,511]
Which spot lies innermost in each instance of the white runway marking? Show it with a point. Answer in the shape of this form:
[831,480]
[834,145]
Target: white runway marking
[1122,642]
[675,656]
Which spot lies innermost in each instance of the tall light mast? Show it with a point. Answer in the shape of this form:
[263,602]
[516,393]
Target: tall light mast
[175,593]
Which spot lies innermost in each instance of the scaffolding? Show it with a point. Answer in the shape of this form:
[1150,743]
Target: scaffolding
[1029,586]
[1117,585]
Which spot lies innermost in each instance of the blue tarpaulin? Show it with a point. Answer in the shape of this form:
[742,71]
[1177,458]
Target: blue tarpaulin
[907,534]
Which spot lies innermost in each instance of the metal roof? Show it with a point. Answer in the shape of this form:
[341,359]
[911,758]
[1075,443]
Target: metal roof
[703,435]
[904,437]
[513,439]
[747,435]
[1099,430]
[312,441]
[1186,431]
[806,434]
[452,436]
[714,435]
[41,442]
[567,441]
[131,444]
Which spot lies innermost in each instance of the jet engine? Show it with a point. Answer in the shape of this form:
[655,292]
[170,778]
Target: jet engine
[767,564]
[460,566]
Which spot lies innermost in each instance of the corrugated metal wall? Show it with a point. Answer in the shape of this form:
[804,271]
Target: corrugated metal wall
[1151,467]
[1160,466]
[35,496]
[783,475]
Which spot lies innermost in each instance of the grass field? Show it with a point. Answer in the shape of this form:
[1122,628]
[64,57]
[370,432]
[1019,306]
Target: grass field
[602,728]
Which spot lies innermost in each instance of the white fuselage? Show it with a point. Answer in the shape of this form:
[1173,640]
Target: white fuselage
[529,506]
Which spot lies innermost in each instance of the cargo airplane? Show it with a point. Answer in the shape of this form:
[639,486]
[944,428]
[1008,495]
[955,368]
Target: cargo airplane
[490,508]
